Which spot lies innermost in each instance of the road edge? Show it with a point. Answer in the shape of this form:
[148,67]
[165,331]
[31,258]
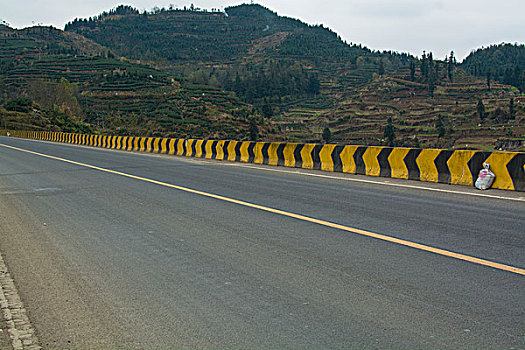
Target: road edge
[19,327]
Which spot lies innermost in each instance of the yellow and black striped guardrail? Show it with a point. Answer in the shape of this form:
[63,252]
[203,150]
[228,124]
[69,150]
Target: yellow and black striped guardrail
[433,165]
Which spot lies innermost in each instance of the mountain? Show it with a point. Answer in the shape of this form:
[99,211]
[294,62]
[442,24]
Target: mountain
[249,73]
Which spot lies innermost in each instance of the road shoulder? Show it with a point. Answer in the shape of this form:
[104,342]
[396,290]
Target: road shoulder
[44,280]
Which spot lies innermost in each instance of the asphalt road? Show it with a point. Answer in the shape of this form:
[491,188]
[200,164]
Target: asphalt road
[103,261]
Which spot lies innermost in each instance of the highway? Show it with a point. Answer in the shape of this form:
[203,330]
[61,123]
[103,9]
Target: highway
[117,249]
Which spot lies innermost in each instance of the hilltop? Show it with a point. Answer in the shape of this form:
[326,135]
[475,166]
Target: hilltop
[248,72]
[192,35]
[503,62]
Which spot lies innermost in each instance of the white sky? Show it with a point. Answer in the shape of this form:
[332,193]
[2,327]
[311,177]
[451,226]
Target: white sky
[411,26]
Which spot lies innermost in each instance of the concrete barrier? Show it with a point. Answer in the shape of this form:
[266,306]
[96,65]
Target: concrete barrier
[431,165]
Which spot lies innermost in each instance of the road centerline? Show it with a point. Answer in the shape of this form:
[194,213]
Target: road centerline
[382,237]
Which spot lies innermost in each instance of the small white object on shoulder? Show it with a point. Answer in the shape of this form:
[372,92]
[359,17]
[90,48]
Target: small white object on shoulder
[485,178]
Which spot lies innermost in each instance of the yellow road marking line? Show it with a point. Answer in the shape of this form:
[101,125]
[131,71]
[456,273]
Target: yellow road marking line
[386,238]
[302,171]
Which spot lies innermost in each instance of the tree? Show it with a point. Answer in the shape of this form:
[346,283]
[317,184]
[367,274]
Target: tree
[381,69]
[60,96]
[512,111]
[327,135]
[451,64]
[424,66]
[390,132]
[481,110]
[314,86]
[21,104]
[516,77]
[430,59]
[508,76]
[431,86]
[489,73]
[499,115]
[253,130]
[412,70]
[267,110]
[440,127]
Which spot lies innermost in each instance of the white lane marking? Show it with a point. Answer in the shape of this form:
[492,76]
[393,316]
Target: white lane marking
[385,183]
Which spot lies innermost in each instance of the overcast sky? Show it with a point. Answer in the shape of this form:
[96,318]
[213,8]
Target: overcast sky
[411,26]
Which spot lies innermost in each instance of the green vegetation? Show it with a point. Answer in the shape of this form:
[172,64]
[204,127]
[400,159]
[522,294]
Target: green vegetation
[20,104]
[504,63]
[390,132]
[81,86]
[250,82]
[481,110]
[182,34]
[327,135]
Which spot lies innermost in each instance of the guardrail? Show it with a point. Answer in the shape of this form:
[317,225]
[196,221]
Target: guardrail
[433,165]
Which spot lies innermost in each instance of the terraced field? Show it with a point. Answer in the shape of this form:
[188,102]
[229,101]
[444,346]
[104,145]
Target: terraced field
[357,113]
[116,95]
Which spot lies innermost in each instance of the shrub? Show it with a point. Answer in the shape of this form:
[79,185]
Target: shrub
[20,104]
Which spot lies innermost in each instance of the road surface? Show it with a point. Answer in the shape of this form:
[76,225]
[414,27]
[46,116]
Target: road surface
[119,249]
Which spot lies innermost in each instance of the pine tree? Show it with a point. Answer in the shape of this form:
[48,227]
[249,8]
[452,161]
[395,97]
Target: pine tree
[267,110]
[390,132]
[516,77]
[451,64]
[508,76]
[412,70]
[512,111]
[424,66]
[432,71]
[431,86]
[314,86]
[254,131]
[327,135]
[440,127]
[481,110]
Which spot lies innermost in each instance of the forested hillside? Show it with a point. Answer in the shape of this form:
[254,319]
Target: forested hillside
[504,63]
[247,49]
[196,35]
